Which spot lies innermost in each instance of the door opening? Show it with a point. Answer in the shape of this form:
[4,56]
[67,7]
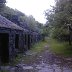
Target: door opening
[17,41]
[4,47]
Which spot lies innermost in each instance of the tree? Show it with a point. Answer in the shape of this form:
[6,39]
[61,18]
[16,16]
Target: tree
[19,18]
[58,18]
[2,4]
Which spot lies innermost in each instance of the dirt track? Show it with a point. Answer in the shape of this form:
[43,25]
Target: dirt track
[44,61]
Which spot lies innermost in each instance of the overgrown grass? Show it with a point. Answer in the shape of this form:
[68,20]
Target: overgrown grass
[38,47]
[61,48]
[4,71]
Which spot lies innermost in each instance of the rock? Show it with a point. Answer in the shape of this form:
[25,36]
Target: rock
[69,59]
[19,68]
[5,67]
[27,67]
[46,46]
[12,69]
[20,65]
[40,56]
[38,67]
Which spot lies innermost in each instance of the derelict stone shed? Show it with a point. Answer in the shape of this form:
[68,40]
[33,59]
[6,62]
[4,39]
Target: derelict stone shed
[10,39]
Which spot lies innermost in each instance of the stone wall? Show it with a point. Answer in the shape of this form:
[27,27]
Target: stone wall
[12,33]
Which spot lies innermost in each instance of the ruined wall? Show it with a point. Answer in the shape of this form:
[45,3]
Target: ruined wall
[12,33]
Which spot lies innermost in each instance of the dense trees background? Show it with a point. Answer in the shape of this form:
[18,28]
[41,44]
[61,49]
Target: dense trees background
[19,18]
[58,20]
[2,4]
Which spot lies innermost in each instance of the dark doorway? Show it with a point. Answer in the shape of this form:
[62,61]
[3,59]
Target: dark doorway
[28,41]
[25,38]
[17,41]
[4,47]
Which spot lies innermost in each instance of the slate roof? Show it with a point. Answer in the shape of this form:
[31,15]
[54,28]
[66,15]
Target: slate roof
[8,24]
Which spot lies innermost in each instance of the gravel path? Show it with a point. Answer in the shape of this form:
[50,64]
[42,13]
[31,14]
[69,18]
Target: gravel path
[44,61]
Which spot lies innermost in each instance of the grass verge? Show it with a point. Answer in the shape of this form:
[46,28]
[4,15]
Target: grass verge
[38,47]
[61,48]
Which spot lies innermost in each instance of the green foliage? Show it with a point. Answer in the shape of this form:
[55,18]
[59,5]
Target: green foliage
[58,18]
[30,54]
[61,48]
[21,19]
[38,47]
[2,4]
[4,71]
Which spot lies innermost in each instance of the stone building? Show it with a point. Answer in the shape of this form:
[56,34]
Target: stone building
[11,39]
[26,40]
[14,39]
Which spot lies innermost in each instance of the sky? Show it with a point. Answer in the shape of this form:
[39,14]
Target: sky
[35,8]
